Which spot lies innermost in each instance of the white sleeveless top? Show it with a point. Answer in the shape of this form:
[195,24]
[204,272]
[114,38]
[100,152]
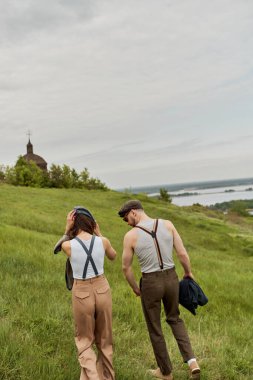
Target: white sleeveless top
[145,248]
[79,256]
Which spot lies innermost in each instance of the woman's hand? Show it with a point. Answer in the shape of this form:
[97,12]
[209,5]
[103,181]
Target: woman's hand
[70,221]
[97,231]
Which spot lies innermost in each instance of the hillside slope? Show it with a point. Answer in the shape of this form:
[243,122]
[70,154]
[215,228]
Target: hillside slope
[36,328]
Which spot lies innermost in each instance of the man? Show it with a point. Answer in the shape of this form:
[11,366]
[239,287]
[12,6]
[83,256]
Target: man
[159,282]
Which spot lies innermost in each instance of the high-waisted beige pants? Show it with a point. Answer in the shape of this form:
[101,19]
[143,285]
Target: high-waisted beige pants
[92,310]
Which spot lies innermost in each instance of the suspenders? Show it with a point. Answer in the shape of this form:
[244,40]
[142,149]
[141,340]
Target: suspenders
[89,257]
[153,234]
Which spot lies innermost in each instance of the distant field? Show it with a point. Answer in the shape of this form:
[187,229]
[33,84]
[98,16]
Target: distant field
[36,327]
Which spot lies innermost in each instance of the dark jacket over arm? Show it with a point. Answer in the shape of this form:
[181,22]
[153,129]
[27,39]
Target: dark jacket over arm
[57,247]
[191,295]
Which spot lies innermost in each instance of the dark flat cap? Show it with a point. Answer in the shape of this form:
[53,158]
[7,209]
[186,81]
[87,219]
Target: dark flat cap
[128,206]
[84,211]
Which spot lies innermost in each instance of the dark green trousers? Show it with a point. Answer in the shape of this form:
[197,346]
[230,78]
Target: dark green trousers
[157,288]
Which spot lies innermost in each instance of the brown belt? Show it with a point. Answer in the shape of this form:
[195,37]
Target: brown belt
[158,273]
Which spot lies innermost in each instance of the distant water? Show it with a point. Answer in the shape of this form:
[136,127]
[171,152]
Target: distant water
[212,196]
[204,193]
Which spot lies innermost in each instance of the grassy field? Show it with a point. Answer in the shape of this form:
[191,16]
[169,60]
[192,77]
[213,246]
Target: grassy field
[36,327]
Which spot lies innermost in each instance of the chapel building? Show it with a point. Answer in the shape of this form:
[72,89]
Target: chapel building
[30,156]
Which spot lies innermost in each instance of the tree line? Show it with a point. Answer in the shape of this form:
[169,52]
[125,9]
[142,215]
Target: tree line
[27,173]
[239,207]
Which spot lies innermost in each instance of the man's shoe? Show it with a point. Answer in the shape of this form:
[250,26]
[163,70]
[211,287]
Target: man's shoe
[194,371]
[157,373]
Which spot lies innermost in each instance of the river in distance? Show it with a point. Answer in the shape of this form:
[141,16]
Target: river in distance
[204,193]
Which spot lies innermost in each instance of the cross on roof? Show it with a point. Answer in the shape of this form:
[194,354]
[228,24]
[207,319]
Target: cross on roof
[29,133]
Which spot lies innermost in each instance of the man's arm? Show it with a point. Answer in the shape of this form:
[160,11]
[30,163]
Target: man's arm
[127,259]
[180,250]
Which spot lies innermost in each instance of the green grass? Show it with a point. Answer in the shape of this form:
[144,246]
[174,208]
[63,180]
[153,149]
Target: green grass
[36,327]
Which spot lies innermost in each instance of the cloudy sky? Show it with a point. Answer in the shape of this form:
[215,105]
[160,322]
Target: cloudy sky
[140,92]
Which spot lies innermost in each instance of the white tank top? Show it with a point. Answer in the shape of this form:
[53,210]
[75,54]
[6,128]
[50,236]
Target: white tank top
[145,248]
[79,256]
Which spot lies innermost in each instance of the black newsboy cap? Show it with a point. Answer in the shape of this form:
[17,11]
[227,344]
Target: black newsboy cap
[128,206]
[84,211]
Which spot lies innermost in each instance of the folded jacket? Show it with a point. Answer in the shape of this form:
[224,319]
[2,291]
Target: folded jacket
[191,295]
[57,247]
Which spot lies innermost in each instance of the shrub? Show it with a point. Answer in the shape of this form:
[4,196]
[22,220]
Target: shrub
[29,174]
[164,195]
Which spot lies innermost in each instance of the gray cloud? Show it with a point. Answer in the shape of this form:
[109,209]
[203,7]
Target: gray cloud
[104,84]
[26,20]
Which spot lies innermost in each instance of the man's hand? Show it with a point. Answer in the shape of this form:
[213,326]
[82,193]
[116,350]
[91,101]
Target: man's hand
[189,275]
[137,292]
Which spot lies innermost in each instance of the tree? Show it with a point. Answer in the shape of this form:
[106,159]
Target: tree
[164,195]
[75,179]
[25,174]
[240,208]
[84,177]
[55,176]
[67,179]
[2,173]
[96,184]
[29,174]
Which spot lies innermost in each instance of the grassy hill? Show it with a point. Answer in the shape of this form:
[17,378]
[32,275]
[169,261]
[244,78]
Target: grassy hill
[36,327]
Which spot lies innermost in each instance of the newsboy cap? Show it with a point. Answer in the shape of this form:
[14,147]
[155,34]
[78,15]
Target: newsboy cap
[84,211]
[128,206]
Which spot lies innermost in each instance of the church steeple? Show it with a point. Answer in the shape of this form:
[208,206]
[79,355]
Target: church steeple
[29,147]
[30,156]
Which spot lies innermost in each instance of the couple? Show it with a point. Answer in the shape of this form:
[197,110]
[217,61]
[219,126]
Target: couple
[152,241]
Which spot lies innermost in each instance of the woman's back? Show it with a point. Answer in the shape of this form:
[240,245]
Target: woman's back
[79,257]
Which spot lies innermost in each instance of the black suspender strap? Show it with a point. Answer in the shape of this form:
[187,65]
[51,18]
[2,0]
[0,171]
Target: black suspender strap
[89,257]
[157,246]
[153,234]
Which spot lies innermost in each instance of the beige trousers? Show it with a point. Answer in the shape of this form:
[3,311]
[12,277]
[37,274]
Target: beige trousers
[92,310]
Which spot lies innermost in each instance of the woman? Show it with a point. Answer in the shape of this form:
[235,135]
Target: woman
[91,294]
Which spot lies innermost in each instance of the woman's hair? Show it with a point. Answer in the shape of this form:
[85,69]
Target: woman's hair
[83,223]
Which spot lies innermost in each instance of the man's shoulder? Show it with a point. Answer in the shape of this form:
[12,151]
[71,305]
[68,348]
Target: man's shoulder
[167,223]
[131,233]
[163,220]
[130,237]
